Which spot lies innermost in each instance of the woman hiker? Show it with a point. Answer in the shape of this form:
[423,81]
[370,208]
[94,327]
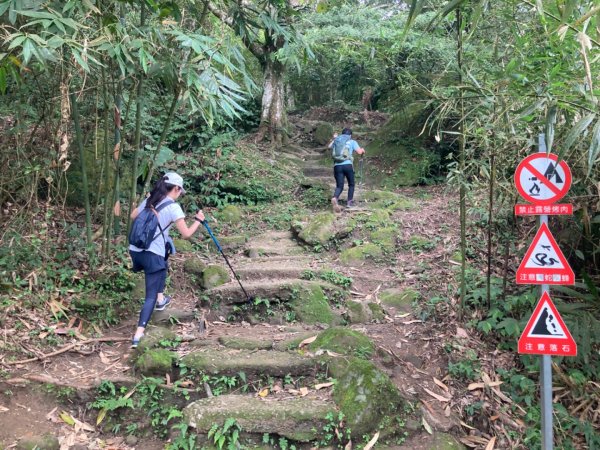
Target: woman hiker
[343,165]
[153,261]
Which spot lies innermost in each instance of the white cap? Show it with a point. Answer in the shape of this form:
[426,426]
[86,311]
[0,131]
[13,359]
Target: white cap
[174,179]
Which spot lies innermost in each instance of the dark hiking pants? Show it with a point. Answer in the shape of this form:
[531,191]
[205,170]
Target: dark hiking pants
[340,172]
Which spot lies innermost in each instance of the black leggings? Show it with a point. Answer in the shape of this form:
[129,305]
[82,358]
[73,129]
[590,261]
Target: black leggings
[340,172]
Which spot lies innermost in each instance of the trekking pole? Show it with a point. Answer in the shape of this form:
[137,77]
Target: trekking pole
[205,223]
[361,170]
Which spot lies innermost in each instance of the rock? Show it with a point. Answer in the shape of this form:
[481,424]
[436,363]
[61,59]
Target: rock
[376,311]
[358,312]
[318,230]
[88,304]
[309,303]
[438,420]
[299,419]
[131,440]
[345,342]
[231,242]
[399,299]
[172,315]
[44,442]
[231,214]
[444,441]
[323,133]
[358,254]
[154,336]
[241,343]
[387,200]
[365,395]
[194,266]
[252,363]
[183,246]
[252,253]
[156,362]
[214,276]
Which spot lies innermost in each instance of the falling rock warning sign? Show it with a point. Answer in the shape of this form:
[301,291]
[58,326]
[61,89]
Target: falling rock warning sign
[544,262]
[546,333]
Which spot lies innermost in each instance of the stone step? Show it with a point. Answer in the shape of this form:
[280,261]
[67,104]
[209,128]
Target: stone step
[317,171]
[270,271]
[283,290]
[280,243]
[298,419]
[252,362]
[316,156]
[284,259]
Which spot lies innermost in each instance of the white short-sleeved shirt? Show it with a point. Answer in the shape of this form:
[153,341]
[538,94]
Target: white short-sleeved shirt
[166,217]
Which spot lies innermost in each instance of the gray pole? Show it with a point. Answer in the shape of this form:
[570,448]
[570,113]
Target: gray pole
[546,368]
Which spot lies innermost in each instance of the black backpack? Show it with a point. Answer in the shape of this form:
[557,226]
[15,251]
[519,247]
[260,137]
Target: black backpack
[143,230]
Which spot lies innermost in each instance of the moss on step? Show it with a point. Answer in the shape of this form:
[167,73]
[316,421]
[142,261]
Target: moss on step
[376,311]
[252,363]
[344,341]
[318,230]
[358,312]
[445,441]
[231,242]
[309,303]
[297,419]
[365,395]
[183,245]
[156,361]
[194,266]
[242,343]
[154,336]
[213,276]
[398,298]
[293,343]
[385,238]
[230,214]
[387,200]
[358,254]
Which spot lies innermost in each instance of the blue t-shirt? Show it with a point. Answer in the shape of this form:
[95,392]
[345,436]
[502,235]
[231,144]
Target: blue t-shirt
[166,217]
[352,146]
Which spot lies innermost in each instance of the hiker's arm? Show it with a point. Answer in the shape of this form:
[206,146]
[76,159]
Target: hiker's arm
[134,213]
[187,232]
[333,139]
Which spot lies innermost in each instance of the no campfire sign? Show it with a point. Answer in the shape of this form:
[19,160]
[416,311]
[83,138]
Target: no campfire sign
[546,333]
[541,180]
[544,262]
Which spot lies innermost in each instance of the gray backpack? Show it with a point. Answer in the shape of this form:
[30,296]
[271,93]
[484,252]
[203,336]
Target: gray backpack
[340,151]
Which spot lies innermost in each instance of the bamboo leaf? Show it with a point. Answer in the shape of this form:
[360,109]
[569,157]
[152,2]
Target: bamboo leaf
[576,132]
[594,147]
[451,6]
[549,131]
[415,9]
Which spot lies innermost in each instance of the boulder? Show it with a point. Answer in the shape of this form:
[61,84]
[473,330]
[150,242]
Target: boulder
[194,266]
[358,312]
[298,419]
[365,395]
[401,299]
[183,245]
[344,341]
[310,305]
[358,254]
[317,230]
[156,362]
[231,214]
[323,133]
[213,276]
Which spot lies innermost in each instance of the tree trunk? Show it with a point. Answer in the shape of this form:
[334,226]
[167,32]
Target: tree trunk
[273,119]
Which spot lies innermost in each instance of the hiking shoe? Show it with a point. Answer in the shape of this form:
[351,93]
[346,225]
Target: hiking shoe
[336,207]
[136,341]
[163,305]
[350,204]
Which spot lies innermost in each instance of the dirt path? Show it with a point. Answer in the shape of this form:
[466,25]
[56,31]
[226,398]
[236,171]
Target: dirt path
[410,350]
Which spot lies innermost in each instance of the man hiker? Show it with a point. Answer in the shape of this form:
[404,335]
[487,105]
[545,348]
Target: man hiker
[342,147]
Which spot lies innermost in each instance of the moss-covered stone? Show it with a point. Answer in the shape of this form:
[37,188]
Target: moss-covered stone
[44,442]
[344,341]
[310,304]
[293,343]
[358,312]
[156,362]
[231,214]
[298,419]
[88,304]
[231,242]
[183,245]
[385,238]
[318,230]
[358,254]
[365,395]
[376,311]
[323,133]
[398,298]
[154,336]
[214,276]
[194,266]
[378,217]
[387,200]
[417,242]
[242,343]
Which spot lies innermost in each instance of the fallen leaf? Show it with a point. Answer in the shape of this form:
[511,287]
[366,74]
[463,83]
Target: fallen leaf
[490,445]
[104,359]
[323,385]
[426,426]
[437,396]
[474,386]
[440,384]
[372,442]
[66,418]
[186,384]
[307,341]
[168,379]
[467,426]
[348,445]
[303,391]
[3,409]
[264,393]
[461,333]
[402,316]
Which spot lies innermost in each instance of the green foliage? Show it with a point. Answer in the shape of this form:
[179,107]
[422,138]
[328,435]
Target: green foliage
[334,432]
[226,436]
[330,276]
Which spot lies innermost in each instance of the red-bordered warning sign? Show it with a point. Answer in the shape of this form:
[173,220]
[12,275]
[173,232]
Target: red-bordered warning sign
[544,262]
[546,333]
[541,180]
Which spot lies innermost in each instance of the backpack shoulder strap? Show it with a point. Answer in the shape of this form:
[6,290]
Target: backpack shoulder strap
[157,210]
